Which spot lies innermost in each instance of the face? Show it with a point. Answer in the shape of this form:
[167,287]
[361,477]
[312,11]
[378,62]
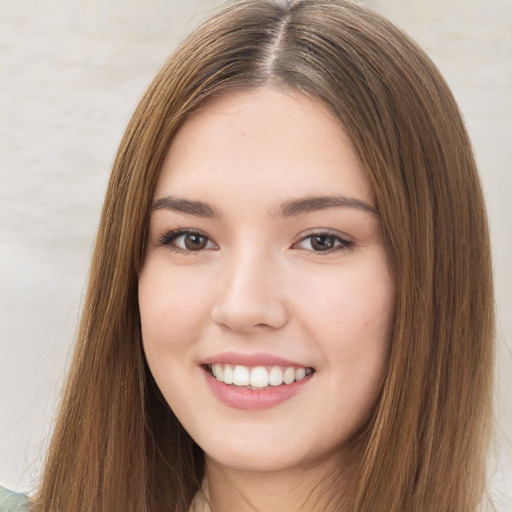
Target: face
[265,297]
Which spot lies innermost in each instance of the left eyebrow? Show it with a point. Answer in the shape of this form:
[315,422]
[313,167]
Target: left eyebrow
[310,204]
[180,205]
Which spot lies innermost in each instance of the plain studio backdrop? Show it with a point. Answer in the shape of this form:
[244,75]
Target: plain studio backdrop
[71,73]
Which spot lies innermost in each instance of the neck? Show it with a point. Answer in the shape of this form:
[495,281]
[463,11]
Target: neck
[310,489]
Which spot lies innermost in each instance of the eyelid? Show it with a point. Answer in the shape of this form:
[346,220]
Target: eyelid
[343,242]
[167,239]
[346,241]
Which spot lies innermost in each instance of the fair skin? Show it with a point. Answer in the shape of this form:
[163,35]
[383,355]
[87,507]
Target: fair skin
[244,270]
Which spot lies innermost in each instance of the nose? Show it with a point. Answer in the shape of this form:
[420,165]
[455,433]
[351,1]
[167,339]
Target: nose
[251,295]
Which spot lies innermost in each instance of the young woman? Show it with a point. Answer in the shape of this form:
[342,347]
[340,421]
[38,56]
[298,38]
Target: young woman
[290,301]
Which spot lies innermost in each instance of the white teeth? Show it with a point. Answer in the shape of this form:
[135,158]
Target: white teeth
[275,377]
[228,374]
[241,376]
[300,373]
[289,375]
[218,371]
[258,377]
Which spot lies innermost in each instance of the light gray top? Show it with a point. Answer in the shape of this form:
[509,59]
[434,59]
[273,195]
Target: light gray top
[13,502]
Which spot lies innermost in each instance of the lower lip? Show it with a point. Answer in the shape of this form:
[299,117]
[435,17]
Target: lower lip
[243,398]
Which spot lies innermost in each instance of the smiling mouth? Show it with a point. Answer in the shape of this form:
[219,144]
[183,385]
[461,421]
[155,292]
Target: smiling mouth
[258,377]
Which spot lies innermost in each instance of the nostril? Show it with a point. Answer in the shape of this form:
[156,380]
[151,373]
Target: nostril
[250,315]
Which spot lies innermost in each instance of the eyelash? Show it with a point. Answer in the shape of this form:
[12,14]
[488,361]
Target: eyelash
[168,240]
[341,243]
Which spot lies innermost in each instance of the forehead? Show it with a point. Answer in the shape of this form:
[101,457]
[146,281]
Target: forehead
[283,140]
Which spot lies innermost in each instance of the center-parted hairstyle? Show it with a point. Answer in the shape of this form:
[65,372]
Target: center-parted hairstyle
[117,445]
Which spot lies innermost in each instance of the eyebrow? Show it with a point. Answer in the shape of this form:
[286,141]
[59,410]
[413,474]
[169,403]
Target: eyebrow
[311,204]
[290,208]
[176,204]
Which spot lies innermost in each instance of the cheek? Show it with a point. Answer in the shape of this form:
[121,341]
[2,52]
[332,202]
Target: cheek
[172,309]
[351,318]
[350,302]
[171,304]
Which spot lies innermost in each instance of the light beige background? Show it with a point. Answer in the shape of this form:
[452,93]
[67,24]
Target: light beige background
[71,73]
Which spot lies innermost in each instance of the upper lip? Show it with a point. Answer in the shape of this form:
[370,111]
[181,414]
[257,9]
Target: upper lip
[252,360]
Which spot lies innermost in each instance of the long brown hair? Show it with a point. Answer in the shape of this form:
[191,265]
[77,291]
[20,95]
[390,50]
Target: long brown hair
[117,445]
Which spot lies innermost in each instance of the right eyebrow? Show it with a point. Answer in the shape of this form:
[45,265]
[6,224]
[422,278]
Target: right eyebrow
[180,205]
[312,204]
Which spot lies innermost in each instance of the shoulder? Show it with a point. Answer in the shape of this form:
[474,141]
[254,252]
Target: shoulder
[12,502]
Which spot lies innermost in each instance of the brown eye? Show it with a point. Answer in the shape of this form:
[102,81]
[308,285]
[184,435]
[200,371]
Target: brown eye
[195,242]
[187,241]
[323,242]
